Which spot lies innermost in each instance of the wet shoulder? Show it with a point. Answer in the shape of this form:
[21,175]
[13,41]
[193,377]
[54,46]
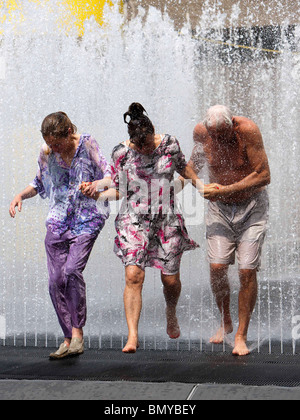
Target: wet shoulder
[88,146]
[45,153]
[118,151]
[86,137]
[247,131]
[170,143]
[200,134]
[245,125]
[87,140]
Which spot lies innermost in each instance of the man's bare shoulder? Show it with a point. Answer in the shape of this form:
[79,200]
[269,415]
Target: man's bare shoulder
[249,132]
[244,125]
[200,133]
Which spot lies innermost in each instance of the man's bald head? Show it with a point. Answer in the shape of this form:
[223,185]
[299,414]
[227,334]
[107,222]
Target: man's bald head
[217,117]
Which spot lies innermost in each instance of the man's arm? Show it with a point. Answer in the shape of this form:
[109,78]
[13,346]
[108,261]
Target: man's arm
[257,179]
[197,160]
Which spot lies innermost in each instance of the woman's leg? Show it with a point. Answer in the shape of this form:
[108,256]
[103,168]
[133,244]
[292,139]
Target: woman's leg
[57,249]
[75,289]
[133,304]
[172,291]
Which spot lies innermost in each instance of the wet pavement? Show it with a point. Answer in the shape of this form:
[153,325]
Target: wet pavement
[148,375]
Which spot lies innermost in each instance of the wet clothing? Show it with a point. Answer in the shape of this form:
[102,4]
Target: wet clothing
[69,208]
[150,228]
[67,256]
[237,229]
[73,224]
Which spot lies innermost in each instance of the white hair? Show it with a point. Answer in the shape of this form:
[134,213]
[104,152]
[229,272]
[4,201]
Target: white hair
[218,115]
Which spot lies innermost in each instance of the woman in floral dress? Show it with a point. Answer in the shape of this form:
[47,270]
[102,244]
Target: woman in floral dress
[71,171]
[150,229]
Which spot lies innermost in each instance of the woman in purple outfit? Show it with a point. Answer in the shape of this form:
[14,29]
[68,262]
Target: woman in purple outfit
[150,229]
[72,171]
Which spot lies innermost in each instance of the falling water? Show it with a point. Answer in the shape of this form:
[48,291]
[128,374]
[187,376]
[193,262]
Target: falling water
[176,76]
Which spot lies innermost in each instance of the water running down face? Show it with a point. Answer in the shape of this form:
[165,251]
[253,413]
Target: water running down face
[221,133]
[219,123]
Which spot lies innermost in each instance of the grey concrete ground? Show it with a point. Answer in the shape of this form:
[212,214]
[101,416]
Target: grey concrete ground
[134,391]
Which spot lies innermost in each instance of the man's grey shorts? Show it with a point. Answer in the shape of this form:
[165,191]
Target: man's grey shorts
[237,229]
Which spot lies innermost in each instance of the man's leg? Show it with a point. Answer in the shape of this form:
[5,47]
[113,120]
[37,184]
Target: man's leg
[221,289]
[133,304]
[172,291]
[248,254]
[247,301]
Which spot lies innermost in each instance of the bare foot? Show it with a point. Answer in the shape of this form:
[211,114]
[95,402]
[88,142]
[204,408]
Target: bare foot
[240,348]
[218,338]
[131,346]
[173,329]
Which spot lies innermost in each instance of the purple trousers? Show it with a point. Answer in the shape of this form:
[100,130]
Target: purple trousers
[67,256]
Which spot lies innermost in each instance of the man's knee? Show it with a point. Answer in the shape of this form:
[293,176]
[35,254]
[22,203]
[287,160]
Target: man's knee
[248,276]
[171,281]
[218,269]
[219,279]
[248,272]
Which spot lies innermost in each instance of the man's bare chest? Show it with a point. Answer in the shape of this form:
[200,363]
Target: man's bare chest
[233,157]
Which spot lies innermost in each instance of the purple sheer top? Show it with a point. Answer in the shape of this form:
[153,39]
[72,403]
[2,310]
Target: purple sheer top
[69,208]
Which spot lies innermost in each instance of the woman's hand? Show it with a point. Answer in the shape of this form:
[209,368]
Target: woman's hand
[17,202]
[90,189]
[29,192]
[212,192]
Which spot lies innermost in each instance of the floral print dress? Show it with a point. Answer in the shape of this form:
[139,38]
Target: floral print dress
[150,228]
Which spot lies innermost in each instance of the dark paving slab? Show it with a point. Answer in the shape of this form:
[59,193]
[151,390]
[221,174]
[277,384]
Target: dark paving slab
[184,367]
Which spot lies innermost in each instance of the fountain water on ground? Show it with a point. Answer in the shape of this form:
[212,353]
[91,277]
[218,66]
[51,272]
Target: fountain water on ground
[176,76]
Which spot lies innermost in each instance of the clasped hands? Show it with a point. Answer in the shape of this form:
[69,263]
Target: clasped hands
[212,192]
[90,189]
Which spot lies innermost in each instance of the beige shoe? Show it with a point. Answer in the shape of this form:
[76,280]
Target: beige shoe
[62,352]
[76,347]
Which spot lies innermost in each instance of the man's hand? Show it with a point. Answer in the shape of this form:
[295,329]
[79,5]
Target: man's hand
[212,192]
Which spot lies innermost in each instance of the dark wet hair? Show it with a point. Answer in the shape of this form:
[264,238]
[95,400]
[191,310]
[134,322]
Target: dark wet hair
[139,125]
[57,125]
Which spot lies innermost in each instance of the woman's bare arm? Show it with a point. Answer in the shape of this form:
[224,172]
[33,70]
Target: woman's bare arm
[29,192]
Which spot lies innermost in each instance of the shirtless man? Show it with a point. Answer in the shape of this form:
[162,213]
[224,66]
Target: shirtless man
[233,149]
